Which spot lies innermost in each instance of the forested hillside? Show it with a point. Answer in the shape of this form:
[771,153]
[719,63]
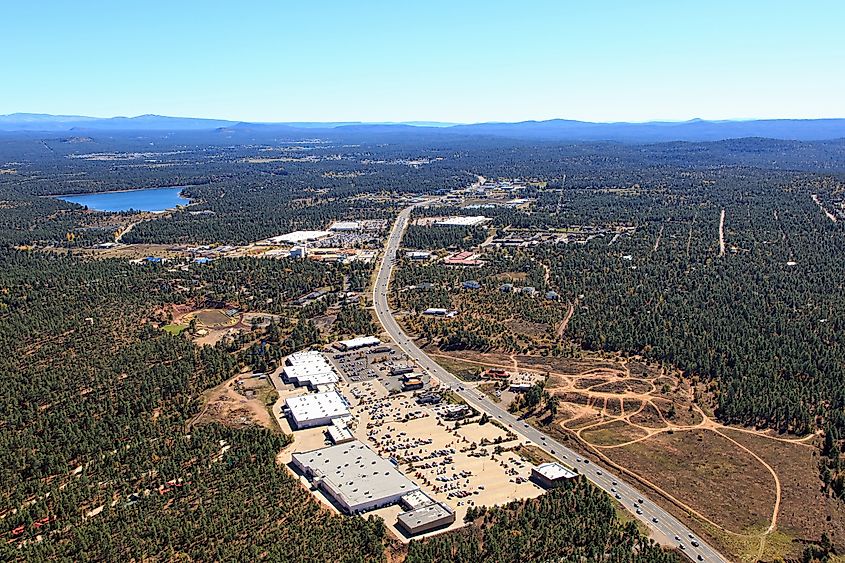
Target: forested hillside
[575,523]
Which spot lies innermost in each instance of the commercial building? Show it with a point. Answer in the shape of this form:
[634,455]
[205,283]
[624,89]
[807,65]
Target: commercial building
[438,312]
[345,226]
[359,342]
[464,258]
[299,237]
[455,412]
[497,374]
[520,387]
[412,383]
[399,370]
[355,477]
[425,519]
[463,221]
[309,369]
[418,255]
[298,252]
[429,399]
[415,499]
[339,432]
[316,409]
[550,475]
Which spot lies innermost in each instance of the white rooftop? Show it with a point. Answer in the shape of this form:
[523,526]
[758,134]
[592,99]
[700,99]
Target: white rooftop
[416,499]
[554,471]
[345,226]
[461,221]
[299,237]
[339,432]
[310,368]
[316,406]
[360,341]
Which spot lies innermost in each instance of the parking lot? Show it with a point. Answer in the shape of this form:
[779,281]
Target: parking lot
[375,364]
[462,464]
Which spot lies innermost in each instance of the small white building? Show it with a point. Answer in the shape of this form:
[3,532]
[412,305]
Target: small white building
[316,409]
[551,474]
[418,255]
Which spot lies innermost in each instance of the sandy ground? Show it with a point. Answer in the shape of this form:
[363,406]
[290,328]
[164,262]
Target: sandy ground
[230,404]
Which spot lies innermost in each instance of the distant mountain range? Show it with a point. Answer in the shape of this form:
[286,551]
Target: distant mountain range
[551,130]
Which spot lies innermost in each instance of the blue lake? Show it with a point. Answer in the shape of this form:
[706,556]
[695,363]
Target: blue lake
[155,199]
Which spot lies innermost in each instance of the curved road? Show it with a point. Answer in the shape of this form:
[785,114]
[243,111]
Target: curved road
[665,528]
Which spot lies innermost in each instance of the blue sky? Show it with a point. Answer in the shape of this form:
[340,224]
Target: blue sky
[462,61]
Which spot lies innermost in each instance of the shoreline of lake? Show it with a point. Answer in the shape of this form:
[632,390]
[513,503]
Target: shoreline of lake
[151,200]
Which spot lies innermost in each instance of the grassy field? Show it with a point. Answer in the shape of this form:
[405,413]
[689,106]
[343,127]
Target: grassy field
[174,328]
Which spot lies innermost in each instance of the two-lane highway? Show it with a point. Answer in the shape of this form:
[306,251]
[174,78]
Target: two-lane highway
[665,528]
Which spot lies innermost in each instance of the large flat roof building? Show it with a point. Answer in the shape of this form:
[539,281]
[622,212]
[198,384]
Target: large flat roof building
[425,519]
[310,369]
[298,237]
[316,409]
[354,476]
[358,342]
[463,221]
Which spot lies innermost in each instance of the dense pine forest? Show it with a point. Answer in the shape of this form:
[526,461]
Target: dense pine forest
[573,523]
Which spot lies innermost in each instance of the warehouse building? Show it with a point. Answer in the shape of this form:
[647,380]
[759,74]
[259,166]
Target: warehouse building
[309,369]
[426,519]
[316,409]
[438,312]
[359,342]
[345,226]
[550,475]
[463,221]
[355,477]
[299,237]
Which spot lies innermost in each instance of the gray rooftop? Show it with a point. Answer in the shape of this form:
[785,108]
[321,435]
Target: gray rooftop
[425,515]
[355,473]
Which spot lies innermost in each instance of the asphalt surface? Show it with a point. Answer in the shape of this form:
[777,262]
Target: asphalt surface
[665,528]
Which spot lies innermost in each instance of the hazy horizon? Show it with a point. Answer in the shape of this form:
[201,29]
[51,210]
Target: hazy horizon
[471,62]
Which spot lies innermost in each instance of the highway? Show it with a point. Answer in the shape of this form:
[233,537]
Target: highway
[665,528]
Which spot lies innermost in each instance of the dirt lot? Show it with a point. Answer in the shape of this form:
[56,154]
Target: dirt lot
[805,511]
[706,472]
[238,402]
[649,421]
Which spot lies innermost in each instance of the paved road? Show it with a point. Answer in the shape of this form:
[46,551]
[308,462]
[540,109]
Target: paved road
[665,528]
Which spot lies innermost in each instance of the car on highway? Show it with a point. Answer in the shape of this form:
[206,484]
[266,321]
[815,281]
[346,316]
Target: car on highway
[639,511]
[654,520]
[618,496]
[694,543]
